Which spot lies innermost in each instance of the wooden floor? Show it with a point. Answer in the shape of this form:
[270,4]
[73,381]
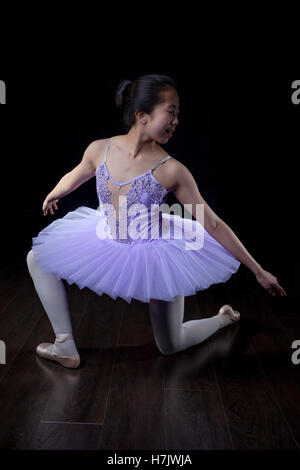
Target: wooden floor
[237,390]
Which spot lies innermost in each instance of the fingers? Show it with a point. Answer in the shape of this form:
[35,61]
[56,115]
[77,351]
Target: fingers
[276,288]
[50,209]
[271,292]
[282,291]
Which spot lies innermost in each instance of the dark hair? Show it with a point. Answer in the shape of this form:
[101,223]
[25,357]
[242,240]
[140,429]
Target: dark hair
[142,94]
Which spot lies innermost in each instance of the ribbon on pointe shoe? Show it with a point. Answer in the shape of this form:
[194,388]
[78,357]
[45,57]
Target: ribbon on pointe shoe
[64,345]
[61,337]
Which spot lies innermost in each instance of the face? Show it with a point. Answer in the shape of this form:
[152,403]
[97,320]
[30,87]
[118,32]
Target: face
[161,123]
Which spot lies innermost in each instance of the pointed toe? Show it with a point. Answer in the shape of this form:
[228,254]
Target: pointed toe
[43,350]
[228,311]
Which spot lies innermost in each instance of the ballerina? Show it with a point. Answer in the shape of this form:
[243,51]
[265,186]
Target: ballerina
[88,246]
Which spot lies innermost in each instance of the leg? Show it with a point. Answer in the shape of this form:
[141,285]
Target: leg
[171,334]
[53,296]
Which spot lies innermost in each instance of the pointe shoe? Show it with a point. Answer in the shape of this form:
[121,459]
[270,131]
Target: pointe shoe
[227,310]
[43,350]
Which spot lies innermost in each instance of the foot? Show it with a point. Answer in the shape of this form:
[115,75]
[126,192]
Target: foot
[227,315]
[45,350]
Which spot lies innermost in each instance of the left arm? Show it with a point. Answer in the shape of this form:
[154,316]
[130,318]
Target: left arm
[187,192]
[227,238]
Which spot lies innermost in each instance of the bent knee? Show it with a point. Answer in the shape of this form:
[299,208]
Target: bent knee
[30,259]
[168,350]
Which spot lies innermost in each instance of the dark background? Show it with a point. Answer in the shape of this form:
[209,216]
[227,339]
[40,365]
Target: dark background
[238,135]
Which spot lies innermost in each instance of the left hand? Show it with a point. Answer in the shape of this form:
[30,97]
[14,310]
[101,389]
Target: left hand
[270,283]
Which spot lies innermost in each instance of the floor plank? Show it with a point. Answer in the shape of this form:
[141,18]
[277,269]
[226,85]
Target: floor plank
[135,410]
[30,381]
[275,356]
[84,401]
[254,417]
[236,390]
[195,417]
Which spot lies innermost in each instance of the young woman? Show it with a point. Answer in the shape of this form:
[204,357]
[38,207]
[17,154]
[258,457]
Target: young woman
[130,248]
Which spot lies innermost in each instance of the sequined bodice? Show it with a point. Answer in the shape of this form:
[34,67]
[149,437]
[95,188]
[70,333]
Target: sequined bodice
[144,189]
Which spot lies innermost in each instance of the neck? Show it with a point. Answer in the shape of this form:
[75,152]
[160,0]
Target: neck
[136,142]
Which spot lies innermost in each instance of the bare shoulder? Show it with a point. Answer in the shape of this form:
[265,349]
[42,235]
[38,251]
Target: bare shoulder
[176,173]
[169,173]
[173,163]
[94,152]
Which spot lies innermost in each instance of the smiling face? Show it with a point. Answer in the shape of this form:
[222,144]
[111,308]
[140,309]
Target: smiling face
[163,118]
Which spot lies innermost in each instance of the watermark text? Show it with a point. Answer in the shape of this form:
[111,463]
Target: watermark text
[2,352]
[296,354]
[296,94]
[2,92]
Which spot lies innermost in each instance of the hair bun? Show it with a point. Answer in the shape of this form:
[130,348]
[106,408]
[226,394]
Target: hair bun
[122,92]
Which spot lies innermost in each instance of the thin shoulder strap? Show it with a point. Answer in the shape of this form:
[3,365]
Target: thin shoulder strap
[106,149]
[161,162]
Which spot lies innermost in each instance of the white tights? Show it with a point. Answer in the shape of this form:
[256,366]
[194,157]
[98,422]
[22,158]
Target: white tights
[52,294]
[170,333]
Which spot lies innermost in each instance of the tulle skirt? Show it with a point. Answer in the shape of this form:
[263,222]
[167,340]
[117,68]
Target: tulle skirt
[159,268]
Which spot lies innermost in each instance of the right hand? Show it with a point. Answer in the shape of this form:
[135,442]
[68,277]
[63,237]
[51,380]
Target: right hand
[48,203]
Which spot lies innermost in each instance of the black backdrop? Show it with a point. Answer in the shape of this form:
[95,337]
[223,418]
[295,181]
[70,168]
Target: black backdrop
[238,135]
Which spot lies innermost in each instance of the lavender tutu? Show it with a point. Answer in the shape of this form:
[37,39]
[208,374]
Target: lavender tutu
[146,254]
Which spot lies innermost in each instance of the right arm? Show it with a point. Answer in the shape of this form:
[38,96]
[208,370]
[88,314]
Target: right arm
[84,171]
[187,192]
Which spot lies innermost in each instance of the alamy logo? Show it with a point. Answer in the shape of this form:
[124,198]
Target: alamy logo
[296,94]
[2,352]
[2,92]
[296,354]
